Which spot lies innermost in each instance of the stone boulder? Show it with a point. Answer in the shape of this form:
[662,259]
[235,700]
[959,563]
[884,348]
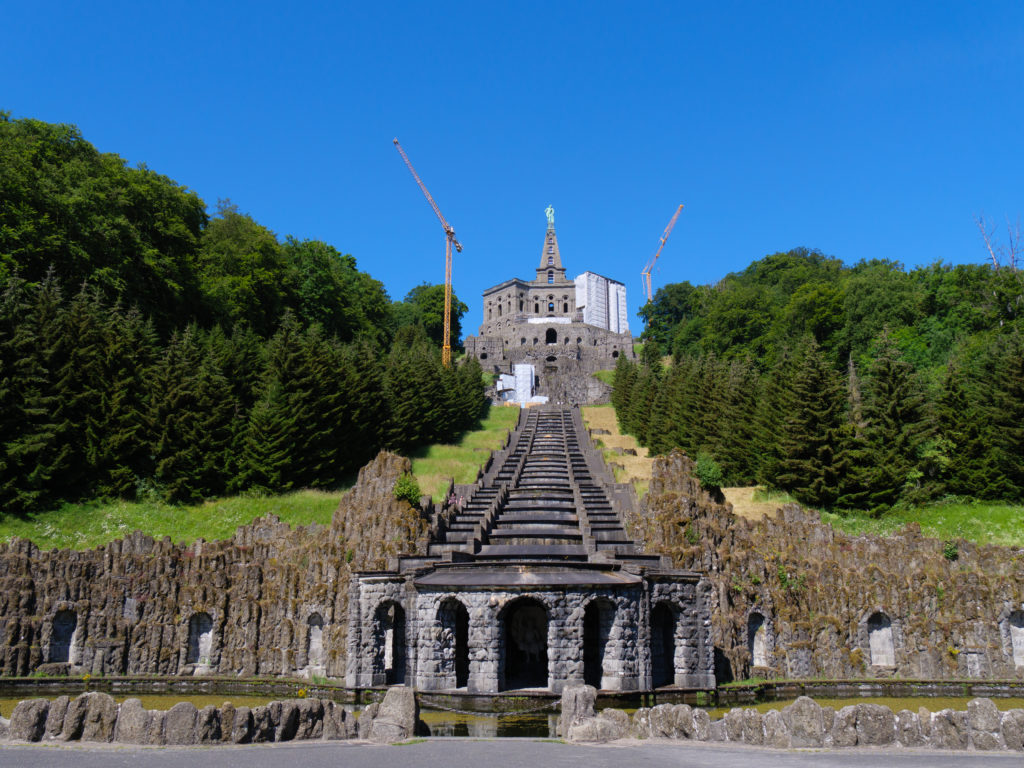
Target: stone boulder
[366,719]
[663,722]
[577,706]
[241,726]
[640,728]
[74,719]
[100,716]
[310,723]
[948,730]
[396,717]
[338,722]
[227,720]
[28,720]
[285,715]
[1013,729]
[734,724]
[753,727]
[876,725]
[208,725]
[597,729]
[984,724]
[908,729]
[180,723]
[844,727]
[133,722]
[776,732]
[55,719]
[701,724]
[5,729]
[805,723]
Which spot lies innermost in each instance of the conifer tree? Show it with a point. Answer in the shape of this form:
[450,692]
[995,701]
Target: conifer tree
[809,429]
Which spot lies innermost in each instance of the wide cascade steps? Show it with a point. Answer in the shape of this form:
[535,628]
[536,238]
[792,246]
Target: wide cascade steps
[541,501]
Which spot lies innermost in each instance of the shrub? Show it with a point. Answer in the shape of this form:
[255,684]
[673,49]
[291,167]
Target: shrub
[950,551]
[709,472]
[408,489]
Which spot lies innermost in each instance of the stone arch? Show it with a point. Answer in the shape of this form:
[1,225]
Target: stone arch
[63,635]
[565,307]
[483,355]
[551,336]
[523,644]
[1015,622]
[615,353]
[880,643]
[453,617]
[389,644]
[315,640]
[757,639]
[664,621]
[200,639]
[598,621]
[536,307]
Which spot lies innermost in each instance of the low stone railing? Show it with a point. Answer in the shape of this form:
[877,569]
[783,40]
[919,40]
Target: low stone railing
[801,724]
[98,717]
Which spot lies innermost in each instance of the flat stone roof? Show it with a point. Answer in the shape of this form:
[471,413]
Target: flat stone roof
[491,576]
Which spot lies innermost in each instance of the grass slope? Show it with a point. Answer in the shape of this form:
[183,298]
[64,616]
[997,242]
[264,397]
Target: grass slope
[93,523]
[87,525]
[435,465]
[981,522]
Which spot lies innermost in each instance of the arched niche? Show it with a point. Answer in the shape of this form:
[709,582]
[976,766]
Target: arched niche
[551,336]
[453,618]
[200,639]
[880,642]
[1016,623]
[757,639]
[315,640]
[62,636]
[389,644]
[664,620]
[524,645]
[598,620]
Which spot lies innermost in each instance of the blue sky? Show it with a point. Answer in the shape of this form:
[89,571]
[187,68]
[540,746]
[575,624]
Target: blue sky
[866,130]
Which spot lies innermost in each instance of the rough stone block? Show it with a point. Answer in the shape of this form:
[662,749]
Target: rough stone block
[577,706]
[734,724]
[397,716]
[949,730]
[701,724]
[74,719]
[684,721]
[663,722]
[208,727]
[262,725]
[310,719]
[366,719]
[776,734]
[28,720]
[804,721]
[227,720]
[55,718]
[984,724]
[876,725]
[596,729]
[908,729]
[100,717]
[241,726]
[753,727]
[924,717]
[844,727]
[1013,729]
[717,731]
[133,722]
[640,728]
[287,720]
[617,716]
[180,723]
[156,726]
[5,729]
[338,722]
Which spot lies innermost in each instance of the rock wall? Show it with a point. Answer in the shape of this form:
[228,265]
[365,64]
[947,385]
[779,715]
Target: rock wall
[827,604]
[272,600]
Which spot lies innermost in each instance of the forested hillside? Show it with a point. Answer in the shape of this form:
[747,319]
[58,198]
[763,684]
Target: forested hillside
[148,348]
[850,387]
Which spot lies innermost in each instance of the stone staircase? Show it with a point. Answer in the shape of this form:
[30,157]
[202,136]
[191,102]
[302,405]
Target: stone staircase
[544,498]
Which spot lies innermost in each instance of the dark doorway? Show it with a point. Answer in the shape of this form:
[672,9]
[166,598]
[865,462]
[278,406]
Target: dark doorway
[64,624]
[598,620]
[663,645]
[389,644]
[524,639]
[551,336]
[454,620]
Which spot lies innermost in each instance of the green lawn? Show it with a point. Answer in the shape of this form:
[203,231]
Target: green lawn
[981,522]
[435,465]
[608,377]
[83,526]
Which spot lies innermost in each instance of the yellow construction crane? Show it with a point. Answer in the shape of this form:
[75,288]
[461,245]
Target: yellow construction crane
[450,240]
[645,275]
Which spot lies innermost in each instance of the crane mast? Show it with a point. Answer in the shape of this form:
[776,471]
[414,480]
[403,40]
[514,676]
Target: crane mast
[450,240]
[645,274]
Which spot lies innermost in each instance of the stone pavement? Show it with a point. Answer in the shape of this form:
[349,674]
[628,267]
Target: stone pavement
[500,753]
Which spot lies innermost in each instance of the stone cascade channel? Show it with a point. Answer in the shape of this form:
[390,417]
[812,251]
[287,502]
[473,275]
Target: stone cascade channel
[546,497]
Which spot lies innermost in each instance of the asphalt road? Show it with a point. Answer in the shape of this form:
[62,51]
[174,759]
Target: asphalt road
[471,753]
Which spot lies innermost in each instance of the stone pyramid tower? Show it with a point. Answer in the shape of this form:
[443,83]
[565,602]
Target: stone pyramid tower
[550,269]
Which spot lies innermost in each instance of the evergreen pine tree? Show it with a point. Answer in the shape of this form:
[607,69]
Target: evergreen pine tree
[809,429]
